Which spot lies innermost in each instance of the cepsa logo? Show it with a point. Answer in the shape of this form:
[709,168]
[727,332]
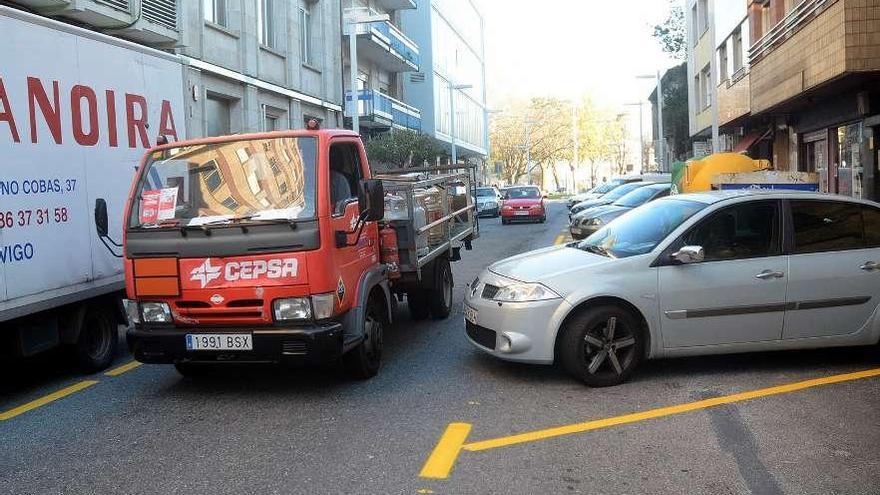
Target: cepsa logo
[240,273]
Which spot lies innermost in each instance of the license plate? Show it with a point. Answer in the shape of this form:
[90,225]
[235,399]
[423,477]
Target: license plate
[219,342]
[470,314]
[521,213]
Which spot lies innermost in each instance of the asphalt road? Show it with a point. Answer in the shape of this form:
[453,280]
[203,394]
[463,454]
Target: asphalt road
[269,430]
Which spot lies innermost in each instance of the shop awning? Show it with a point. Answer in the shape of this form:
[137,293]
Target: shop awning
[749,140]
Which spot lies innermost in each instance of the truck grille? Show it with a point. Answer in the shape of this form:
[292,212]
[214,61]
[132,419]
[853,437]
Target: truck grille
[481,335]
[242,311]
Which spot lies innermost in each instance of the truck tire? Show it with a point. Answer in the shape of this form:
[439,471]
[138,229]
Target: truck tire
[440,297]
[364,361]
[98,338]
[417,300]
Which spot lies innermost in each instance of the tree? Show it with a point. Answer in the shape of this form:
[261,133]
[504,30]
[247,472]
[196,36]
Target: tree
[675,109]
[402,149]
[671,33]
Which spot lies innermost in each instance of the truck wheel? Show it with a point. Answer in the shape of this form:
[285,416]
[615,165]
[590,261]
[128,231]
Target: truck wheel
[364,361]
[98,339]
[417,300]
[440,297]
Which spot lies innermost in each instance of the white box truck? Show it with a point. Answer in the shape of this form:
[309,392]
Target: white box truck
[77,111]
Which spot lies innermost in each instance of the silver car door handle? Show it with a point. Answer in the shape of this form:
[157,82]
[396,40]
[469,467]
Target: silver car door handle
[768,274]
[870,266]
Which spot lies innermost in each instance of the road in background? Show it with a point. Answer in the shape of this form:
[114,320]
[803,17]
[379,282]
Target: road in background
[264,430]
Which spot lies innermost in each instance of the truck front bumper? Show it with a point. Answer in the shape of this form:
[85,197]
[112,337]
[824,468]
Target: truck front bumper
[313,344]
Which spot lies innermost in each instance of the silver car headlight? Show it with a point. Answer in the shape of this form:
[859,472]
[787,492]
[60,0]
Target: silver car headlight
[525,293]
[155,312]
[595,222]
[292,308]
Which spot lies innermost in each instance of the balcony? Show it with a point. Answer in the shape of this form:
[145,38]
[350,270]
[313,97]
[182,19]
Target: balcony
[155,21]
[818,42]
[390,5]
[384,44]
[378,111]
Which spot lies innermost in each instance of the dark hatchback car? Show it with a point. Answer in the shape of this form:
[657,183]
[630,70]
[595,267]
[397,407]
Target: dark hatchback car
[607,198]
[588,221]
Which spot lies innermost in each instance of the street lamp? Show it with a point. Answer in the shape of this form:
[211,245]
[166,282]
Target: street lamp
[663,167]
[641,133]
[452,89]
[355,16]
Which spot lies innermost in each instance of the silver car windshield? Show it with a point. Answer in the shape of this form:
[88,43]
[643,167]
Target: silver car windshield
[640,230]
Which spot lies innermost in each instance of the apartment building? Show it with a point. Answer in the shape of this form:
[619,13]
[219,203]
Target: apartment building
[385,56]
[733,96]
[702,117]
[450,86]
[815,69]
[250,65]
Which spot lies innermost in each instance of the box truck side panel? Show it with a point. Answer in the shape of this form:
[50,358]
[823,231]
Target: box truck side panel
[77,111]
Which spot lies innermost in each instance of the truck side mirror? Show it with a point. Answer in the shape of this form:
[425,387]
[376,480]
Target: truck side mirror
[371,200]
[101,217]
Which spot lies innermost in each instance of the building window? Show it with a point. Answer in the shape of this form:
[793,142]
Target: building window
[266,22]
[270,123]
[695,25]
[215,11]
[305,22]
[705,85]
[212,176]
[737,50]
[230,203]
[722,63]
[217,116]
[766,19]
[703,11]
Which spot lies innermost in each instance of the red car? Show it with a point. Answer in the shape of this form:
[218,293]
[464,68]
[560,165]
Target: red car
[523,203]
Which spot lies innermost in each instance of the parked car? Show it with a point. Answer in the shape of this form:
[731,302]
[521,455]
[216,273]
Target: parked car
[488,201]
[523,203]
[691,274]
[588,221]
[599,190]
[606,199]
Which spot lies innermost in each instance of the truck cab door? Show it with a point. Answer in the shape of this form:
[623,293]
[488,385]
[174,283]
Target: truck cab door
[347,168]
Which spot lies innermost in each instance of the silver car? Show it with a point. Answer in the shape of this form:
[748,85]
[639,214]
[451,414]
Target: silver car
[721,272]
[488,202]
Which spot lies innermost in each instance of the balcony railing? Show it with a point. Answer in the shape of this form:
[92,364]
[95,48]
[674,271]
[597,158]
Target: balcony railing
[384,44]
[799,16]
[381,110]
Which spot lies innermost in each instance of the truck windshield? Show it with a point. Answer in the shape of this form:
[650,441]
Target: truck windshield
[640,230]
[244,181]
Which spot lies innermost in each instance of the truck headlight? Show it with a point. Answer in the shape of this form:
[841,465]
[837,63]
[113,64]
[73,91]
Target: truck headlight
[156,312]
[292,308]
[323,305]
[524,293]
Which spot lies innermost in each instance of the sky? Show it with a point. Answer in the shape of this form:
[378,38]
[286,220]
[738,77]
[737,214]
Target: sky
[567,48]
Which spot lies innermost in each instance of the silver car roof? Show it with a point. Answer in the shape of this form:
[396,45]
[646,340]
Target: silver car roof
[711,197]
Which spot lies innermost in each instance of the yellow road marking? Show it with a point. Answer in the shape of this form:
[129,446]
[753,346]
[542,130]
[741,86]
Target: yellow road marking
[122,369]
[441,460]
[559,240]
[533,436]
[42,401]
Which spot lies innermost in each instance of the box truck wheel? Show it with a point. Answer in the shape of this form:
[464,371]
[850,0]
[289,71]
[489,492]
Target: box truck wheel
[364,361]
[440,297]
[417,300]
[98,338]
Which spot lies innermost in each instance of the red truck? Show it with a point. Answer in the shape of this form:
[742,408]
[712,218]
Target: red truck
[276,247]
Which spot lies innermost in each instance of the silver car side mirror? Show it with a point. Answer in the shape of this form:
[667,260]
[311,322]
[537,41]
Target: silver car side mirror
[689,254]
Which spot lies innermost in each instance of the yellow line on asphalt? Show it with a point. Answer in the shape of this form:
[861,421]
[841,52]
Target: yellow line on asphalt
[122,369]
[42,401]
[533,436]
[441,460]
[559,240]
